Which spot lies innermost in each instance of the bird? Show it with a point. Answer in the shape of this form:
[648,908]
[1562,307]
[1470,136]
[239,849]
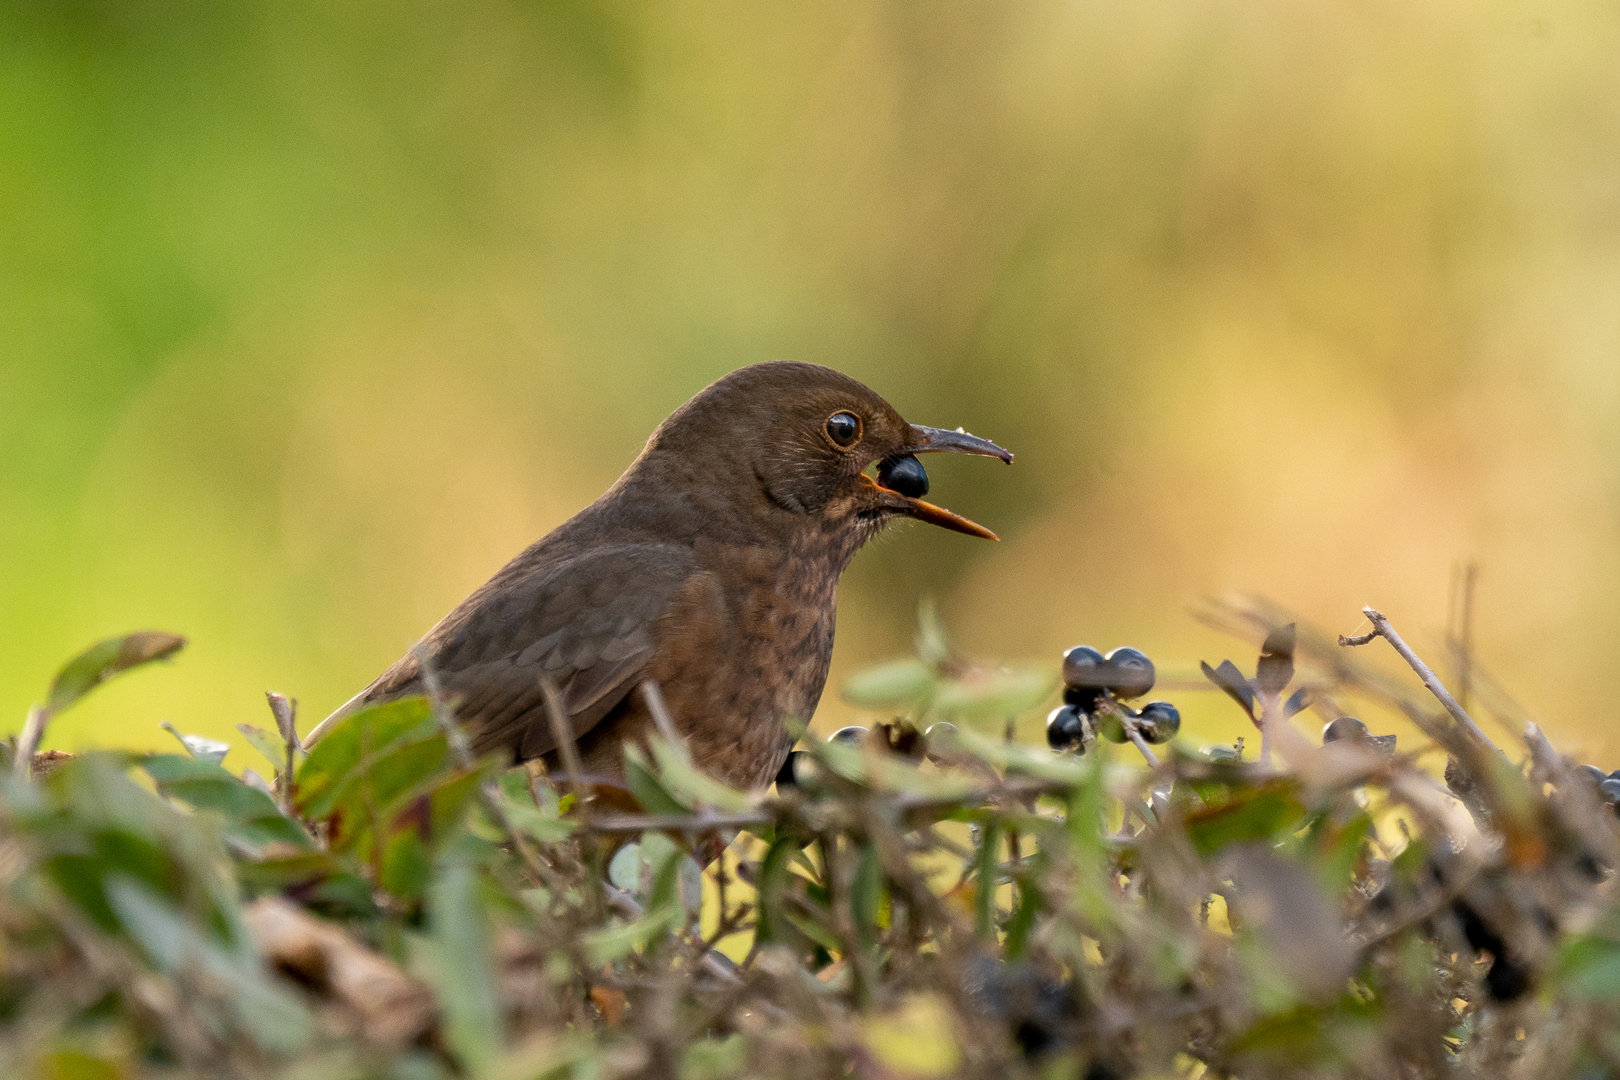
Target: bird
[699,590]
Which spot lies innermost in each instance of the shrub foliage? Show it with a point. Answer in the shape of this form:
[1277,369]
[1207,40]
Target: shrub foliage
[961,905]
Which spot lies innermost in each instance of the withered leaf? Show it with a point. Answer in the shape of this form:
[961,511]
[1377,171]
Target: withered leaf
[1230,679]
[1276,667]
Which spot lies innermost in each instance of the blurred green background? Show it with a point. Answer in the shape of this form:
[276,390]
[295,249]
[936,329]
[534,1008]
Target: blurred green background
[311,315]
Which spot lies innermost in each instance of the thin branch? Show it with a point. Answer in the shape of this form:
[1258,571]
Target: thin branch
[660,712]
[28,742]
[1015,788]
[563,735]
[285,710]
[1382,628]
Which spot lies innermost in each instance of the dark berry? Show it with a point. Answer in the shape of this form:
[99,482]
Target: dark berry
[1610,790]
[1065,727]
[1084,698]
[904,474]
[1345,727]
[1615,775]
[849,736]
[1083,668]
[792,770]
[1159,721]
[1132,674]
[938,737]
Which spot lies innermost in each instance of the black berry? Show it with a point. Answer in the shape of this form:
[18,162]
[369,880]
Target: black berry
[1132,673]
[1083,667]
[1610,790]
[790,773]
[904,474]
[1345,727]
[1084,698]
[849,736]
[1159,721]
[1065,727]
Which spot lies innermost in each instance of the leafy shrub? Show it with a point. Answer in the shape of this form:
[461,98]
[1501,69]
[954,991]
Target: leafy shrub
[951,905]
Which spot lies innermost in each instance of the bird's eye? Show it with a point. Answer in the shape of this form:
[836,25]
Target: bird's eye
[843,428]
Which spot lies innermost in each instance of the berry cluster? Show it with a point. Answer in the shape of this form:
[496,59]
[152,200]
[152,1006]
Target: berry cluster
[1095,688]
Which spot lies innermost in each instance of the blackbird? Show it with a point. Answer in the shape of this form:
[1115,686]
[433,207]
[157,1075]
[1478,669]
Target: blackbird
[710,568]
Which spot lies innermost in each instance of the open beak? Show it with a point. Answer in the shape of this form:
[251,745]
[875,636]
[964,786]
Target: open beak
[939,440]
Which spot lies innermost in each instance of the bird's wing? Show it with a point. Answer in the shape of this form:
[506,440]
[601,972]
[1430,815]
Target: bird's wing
[584,622]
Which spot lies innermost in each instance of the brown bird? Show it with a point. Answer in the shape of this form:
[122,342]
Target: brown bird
[709,568]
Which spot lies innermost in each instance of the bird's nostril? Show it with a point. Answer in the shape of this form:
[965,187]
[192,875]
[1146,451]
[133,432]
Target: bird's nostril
[905,475]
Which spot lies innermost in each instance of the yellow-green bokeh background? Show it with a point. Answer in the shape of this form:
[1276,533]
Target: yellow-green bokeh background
[313,314]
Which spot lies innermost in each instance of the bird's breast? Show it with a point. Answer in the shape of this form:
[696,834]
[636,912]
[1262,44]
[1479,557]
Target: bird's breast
[747,646]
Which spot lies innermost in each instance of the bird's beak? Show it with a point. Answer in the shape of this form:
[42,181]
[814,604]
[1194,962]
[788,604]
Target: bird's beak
[938,440]
[933,440]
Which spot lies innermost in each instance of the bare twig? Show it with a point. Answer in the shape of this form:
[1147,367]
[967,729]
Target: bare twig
[285,710]
[562,733]
[28,742]
[1382,628]
[1461,633]
[1014,788]
[660,712]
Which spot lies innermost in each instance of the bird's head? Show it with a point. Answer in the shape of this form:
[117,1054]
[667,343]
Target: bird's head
[803,439]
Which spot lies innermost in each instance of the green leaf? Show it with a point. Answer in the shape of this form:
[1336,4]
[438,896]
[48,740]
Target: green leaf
[465,983]
[353,748]
[1252,814]
[105,659]
[993,695]
[371,767]
[271,1017]
[616,942]
[984,897]
[1023,917]
[813,930]
[866,895]
[1339,849]
[774,876]
[714,1059]
[249,813]
[270,747]
[897,685]
[1024,760]
[677,772]
[1589,966]
[645,785]
[406,865]
[521,811]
